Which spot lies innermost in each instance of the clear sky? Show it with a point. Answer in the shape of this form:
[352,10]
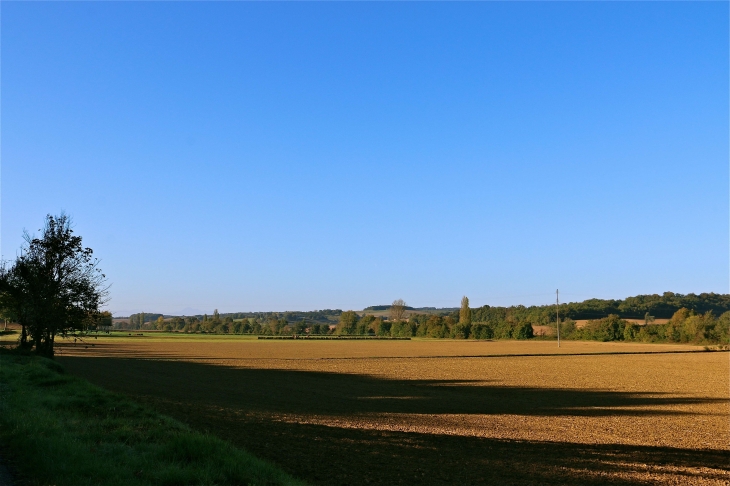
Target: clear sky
[298,156]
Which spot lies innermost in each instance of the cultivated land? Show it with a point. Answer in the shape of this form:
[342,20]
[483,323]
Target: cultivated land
[438,412]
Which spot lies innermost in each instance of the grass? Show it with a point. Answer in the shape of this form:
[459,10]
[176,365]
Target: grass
[61,430]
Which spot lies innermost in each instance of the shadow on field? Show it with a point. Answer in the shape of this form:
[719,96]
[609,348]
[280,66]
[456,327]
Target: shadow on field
[288,391]
[235,404]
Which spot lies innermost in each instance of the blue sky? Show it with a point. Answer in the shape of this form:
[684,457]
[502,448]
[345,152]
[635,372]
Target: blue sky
[281,156]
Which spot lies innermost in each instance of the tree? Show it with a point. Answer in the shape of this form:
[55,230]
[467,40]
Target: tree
[54,288]
[397,310]
[15,299]
[465,312]
[299,327]
[525,331]
[348,323]
[364,325]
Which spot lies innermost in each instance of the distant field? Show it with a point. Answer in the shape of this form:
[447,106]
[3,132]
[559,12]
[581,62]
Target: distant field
[582,322]
[439,412]
[386,313]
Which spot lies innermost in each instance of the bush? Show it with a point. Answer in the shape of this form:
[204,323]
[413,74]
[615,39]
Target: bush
[631,332]
[401,329]
[609,328]
[481,331]
[460,331]
[524,331]
[567,328]
[504,330]
[384,328]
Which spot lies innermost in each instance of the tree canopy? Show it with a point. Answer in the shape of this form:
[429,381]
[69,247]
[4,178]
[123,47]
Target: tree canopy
[54,287]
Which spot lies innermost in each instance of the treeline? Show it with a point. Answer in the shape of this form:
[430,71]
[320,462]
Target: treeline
[137,321]
[433,326]
[639,307]
[384,308]
[685,326]
[149,321]
[697,322]
[321,316]
[225,324]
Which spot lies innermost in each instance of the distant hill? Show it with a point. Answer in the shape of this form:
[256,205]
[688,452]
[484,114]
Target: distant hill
[382,308]
[637,307]
[659,306]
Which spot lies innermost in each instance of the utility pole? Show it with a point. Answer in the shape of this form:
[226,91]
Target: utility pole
[557,313]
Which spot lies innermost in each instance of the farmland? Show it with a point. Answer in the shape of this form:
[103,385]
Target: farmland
[438,412]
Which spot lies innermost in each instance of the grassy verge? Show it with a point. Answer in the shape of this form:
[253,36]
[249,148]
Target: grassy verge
[61,430]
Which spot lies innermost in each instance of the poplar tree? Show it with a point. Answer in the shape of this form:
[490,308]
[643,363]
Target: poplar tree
[465,312]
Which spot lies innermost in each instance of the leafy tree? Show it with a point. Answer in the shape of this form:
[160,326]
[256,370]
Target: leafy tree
[364,325]
[375,326]
[465,312]
[567,328]
[256,327]
[720,332]
[348,323]
[460,331]
[384,328]
[299,327]
[481,331]
[401,329]
[631,332]
[103,322]
[55,287]
[610,328]
[15,300]
[524,331]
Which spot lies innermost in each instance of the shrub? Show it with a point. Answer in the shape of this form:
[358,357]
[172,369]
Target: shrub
[460,331]
[481,331]
[524,331]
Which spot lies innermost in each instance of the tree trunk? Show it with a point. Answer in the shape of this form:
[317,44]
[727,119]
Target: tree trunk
[44,345]
[37,342]
[23,336]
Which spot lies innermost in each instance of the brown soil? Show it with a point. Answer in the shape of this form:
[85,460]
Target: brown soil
[440,412]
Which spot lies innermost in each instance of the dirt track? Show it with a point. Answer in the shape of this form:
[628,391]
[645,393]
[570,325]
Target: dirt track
[440,412]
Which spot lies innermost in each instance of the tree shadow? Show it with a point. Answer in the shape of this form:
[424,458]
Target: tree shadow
[240,405]
[339,394]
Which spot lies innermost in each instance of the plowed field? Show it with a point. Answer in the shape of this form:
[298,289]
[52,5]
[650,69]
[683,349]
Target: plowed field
[440,412]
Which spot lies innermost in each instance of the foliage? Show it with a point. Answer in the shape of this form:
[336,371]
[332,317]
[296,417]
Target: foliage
[486,322]
[54,288]
[645,307]
[685,326]
[137,321]
[460,331]
[481,331]
[348,323]
[373,308]
[524,331]
[465,312]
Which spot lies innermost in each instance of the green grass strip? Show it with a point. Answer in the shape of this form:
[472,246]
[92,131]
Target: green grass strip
[61,430]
